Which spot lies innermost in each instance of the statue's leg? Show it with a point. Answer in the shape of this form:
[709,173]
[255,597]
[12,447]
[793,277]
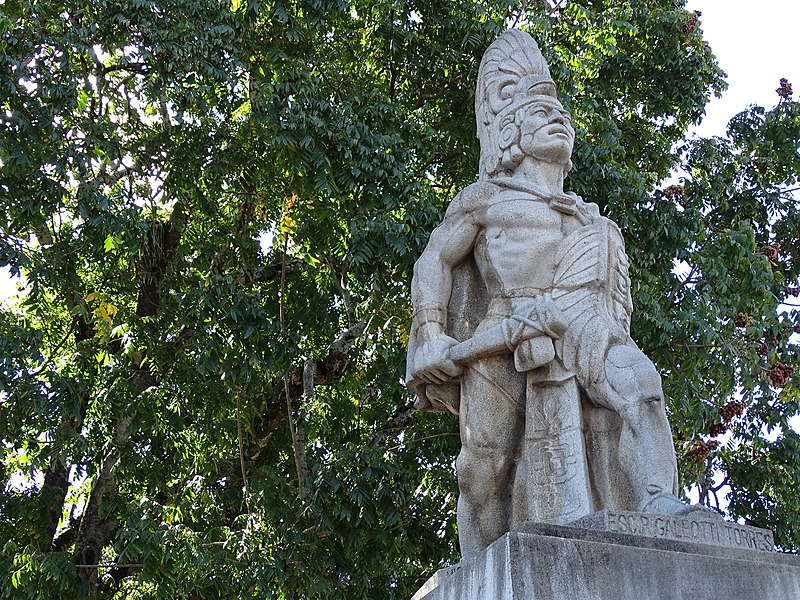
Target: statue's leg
[491,421]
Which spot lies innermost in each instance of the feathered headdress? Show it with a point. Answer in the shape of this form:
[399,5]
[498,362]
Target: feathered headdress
[512,73]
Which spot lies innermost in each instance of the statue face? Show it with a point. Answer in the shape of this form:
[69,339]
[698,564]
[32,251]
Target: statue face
[546,131]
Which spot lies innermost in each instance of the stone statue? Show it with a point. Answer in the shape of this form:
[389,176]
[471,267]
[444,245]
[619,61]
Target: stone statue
[521,326]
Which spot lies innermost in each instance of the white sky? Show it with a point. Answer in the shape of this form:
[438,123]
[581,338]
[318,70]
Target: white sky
[756,44]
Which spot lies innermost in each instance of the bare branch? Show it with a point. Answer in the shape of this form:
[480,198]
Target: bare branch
[400,419]
[327,371]
[449,84]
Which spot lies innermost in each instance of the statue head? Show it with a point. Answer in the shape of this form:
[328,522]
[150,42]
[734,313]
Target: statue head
[516,108]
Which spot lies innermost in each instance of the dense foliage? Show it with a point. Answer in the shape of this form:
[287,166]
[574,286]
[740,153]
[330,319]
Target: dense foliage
[214,208]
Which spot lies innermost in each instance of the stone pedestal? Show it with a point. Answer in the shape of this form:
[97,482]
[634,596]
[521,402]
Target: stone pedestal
[624,556]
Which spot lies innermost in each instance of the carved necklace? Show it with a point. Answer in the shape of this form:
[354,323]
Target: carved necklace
[564,203]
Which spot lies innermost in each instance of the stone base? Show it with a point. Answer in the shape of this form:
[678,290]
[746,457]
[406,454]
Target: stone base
[551,562]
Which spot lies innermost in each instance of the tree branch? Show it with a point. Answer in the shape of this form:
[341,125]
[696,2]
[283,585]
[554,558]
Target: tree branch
[400,419]
[55,486]
[96,529]
[139,68]
[240,440]
[423,98]
[328,370]
[157,253]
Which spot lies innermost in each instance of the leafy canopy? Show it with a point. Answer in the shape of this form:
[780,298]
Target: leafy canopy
[215,207]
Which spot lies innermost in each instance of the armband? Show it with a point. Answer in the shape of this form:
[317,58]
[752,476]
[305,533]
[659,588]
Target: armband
[429,313]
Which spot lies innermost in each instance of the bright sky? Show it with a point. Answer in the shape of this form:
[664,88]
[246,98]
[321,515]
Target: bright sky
[755,44]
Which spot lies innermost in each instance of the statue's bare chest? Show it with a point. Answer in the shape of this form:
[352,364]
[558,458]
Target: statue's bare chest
[520,239]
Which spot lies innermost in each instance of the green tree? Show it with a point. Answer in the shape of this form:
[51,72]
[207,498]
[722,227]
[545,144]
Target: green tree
[722,326]
[215,208]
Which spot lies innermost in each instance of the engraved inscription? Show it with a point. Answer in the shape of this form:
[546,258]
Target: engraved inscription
[714,532]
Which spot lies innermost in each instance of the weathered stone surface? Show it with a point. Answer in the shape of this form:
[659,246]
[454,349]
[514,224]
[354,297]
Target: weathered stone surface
[550,562]
[521,326]
[695,527]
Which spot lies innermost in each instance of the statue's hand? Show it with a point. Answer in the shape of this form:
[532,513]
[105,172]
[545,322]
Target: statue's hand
[530,332]
[434,364]
[540,317]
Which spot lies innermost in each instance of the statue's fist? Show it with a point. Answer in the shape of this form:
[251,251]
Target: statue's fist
[433,364]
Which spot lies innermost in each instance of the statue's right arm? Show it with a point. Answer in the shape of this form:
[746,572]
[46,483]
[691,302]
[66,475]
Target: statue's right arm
[449,244]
